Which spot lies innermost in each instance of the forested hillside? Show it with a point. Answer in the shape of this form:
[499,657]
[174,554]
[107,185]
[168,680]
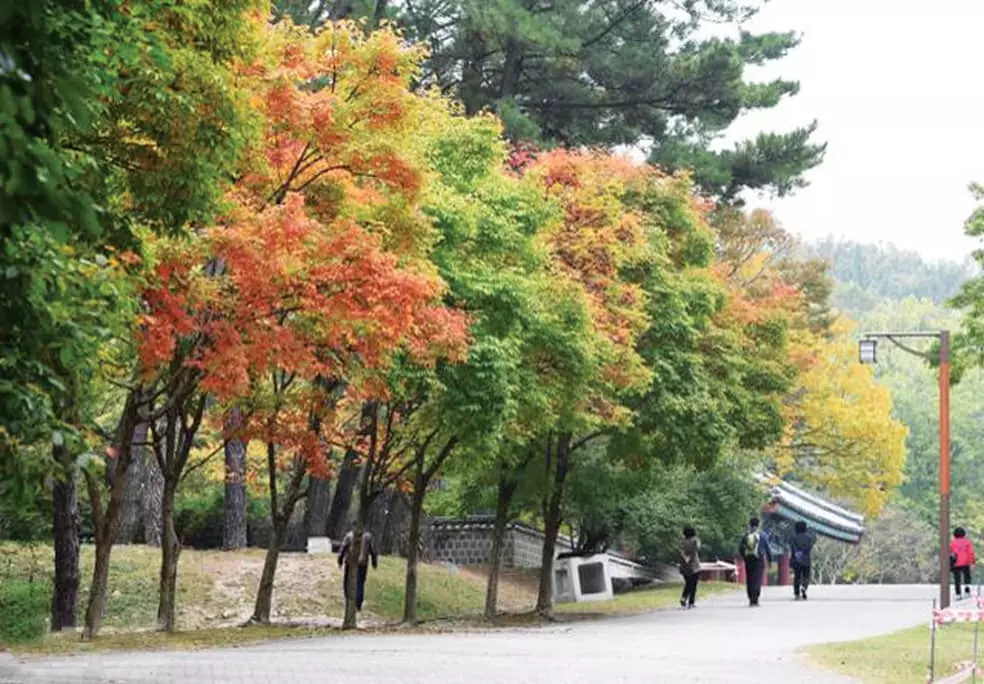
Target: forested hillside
[867,275]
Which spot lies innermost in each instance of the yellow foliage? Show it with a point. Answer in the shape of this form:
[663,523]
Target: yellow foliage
[841,435]
[214,468]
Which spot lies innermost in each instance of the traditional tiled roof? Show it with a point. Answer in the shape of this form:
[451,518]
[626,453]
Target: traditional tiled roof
[826,519]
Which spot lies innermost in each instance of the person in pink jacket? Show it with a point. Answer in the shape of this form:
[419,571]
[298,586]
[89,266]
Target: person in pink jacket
[962,558]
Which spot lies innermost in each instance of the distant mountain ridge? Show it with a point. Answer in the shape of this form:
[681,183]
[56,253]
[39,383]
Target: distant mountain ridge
[887,271]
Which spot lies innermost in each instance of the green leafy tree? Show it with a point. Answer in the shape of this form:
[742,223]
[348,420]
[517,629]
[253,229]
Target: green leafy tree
[56,67]
[46,93]
[496,273]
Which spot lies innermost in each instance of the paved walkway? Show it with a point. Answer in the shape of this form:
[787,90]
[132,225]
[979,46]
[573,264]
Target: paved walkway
[722,641]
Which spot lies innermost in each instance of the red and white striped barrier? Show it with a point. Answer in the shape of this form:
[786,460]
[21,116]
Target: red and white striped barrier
[971,611]
[951,615]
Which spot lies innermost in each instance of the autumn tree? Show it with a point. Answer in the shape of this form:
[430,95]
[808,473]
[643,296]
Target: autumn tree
[599,249]
[839,433]
[169,91]
[101,135]
[299,297]
[717,383]
[711,368]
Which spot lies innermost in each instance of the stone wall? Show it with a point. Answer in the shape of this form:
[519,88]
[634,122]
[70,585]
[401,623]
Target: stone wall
[469,542]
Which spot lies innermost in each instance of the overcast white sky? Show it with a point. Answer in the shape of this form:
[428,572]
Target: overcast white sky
[896,87]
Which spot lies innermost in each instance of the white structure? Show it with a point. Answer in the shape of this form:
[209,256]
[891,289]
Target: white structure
[582,578]
[319,545]
[620,567]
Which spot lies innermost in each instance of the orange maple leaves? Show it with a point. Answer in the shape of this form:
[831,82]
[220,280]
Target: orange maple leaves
[599,240]
[337,106]
[298,282]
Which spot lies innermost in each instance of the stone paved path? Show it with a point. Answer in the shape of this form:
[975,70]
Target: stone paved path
[722,641]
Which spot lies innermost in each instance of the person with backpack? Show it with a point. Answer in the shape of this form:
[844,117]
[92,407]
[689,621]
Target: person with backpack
[962,558]
[754,550]
[800,552]
[689,566]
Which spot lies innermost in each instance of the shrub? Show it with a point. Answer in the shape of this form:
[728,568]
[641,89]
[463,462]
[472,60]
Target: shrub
[200,517]
[25,516]
[24,606]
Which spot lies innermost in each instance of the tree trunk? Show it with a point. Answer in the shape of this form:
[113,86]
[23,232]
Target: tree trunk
[512,63]
[98,590]
[378,519]
[341,502]
[153,495]
[507,487]
[348,479]
[131,524]
[280,517]
[413,545]
[105,527]
[551,524]
[264,595]
[236,517]
[106,522]
[396,530]
[316,513]
[170,550]
[65,597]
[379,13]
[355,552]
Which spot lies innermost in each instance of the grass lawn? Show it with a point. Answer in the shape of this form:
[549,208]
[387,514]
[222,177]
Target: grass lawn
[642,600]
[900,657]
[216,590]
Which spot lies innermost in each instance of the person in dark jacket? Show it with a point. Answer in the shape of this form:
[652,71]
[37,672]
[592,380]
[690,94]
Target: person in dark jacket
[367,551]
[689,566]
[800,552]
[754,550]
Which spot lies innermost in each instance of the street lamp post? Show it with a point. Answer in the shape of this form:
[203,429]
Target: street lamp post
[867,353]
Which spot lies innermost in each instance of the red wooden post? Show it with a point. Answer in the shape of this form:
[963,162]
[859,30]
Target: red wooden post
[784,570]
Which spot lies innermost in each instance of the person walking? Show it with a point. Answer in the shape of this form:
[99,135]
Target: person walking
[689,566]
[801,550]
[962,558]
[367,551]
[753,549]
